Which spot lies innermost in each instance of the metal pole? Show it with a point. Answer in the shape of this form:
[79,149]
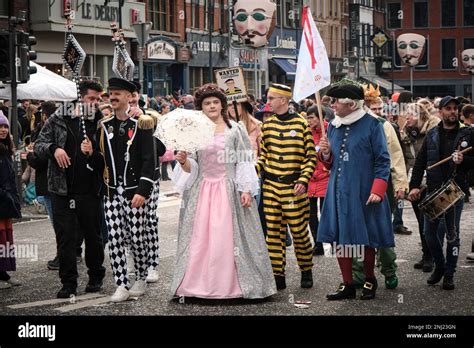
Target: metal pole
[140,58]
[14,101]
[121,3]
[255,73]
[210,20]
[472,92]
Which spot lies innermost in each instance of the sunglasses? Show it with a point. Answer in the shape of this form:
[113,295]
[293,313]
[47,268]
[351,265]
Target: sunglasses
[258,16]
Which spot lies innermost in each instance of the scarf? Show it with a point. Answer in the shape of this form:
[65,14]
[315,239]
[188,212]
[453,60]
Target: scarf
[349,119]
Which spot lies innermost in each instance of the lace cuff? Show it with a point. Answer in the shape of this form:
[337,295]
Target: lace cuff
[182,180]
[246,178]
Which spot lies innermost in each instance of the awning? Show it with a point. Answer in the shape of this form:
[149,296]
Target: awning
[387,85]
[287,65]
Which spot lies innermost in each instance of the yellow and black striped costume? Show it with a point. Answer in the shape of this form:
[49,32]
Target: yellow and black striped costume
[287,151]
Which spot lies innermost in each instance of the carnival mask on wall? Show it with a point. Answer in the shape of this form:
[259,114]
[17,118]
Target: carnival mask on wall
[468,60]
[411,47]
[254,21]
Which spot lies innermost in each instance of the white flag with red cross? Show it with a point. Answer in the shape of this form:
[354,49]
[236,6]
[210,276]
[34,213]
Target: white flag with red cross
[313,72]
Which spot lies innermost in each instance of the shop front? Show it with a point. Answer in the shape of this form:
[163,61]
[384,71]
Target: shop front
[200,60]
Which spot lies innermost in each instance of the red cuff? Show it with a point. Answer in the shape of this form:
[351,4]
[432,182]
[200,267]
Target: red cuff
[327,164]
[379,187]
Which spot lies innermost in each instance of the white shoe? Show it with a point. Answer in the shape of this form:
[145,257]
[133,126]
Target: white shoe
[470,256]
[152,275]
[13,282]
[120,295]
[4,285]
[138,288]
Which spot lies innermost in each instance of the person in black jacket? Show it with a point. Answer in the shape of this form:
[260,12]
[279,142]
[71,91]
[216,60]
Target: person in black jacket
[126,144]
[443,141]
[41,167]
[67,140]
[9,205]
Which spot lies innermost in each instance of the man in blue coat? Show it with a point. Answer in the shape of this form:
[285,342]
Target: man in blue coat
[356,214]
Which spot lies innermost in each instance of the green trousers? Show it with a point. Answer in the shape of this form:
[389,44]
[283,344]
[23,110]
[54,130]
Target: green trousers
[386,257]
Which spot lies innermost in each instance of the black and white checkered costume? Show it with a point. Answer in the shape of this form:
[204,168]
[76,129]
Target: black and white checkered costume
[129,171]
[125,223]
[152,227]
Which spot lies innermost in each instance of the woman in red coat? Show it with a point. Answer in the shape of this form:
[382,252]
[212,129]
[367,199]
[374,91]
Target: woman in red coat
[319,181]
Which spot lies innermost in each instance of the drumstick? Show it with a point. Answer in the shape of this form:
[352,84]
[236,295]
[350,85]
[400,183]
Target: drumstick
[447,159]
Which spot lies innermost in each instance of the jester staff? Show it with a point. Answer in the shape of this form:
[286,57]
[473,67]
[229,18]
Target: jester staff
[74,57]
[122,65]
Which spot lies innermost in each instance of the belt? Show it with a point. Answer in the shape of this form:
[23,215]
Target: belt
[284,179]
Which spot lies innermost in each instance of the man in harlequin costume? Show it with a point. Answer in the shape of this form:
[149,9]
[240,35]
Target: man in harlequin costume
[356,214]
[397,186]
[286,164]
[129,176]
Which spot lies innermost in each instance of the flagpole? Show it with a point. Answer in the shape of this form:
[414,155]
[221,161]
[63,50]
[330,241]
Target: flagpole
[320,112]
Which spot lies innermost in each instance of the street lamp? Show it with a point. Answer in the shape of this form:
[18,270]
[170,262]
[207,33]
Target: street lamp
[142,30]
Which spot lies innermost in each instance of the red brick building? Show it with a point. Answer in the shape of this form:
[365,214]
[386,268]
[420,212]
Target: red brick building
[9,7]
[448,26]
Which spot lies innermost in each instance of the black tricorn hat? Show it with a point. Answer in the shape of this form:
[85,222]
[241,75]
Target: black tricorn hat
[346,91]
[118,83]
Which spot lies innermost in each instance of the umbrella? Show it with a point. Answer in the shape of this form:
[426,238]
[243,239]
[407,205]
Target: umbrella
[44,85]
[185,130]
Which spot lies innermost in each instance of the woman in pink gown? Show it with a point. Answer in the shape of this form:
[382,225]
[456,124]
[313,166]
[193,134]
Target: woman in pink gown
[221,250]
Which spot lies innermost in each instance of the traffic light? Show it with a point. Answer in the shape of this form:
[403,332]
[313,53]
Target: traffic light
[24,42]
[5,72]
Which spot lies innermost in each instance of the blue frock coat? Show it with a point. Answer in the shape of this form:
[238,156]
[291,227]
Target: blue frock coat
[359,155]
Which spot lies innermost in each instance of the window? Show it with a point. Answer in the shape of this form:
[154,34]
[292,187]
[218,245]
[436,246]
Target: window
[424,61]
[421,14]
[195,14]
[3,7]
[468,43]
[279,13]
[224,17]
[162,14]
[392,14]
[393,52]
[468,10]
[288,22]
[448,53]
[448,13]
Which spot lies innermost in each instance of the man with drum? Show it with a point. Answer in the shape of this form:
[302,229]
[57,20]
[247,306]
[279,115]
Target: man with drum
[446,140]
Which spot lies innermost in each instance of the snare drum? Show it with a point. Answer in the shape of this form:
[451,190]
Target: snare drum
[439,201]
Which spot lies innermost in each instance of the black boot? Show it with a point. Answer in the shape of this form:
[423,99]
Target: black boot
[66,291]
[435,277]
[307,279]
[369,288]
[318,249]
[280,282]
[427,265]
[419,264]
[345,291]
[448,282]
[94,285]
